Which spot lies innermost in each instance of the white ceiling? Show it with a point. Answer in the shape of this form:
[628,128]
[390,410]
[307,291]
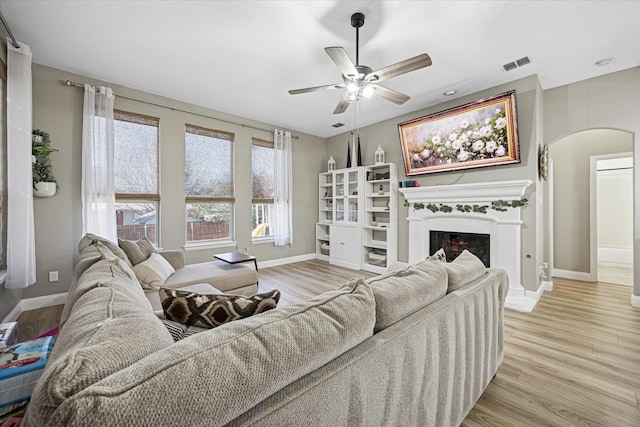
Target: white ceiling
[241,57]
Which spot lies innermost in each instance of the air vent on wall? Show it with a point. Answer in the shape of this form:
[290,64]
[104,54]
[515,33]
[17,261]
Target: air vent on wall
[517,63]
[337,125]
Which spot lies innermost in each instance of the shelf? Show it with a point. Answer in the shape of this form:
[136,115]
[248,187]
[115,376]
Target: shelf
[323,238]
[378,181]
[376,244]
[378,210]
[375,228]
[325,222]
[378,195]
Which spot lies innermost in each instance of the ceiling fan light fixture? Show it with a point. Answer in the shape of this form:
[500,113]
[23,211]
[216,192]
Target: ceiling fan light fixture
[367,91]
[450,92]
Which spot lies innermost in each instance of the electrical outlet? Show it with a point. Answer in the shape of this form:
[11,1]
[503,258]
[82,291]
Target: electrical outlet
[53,276]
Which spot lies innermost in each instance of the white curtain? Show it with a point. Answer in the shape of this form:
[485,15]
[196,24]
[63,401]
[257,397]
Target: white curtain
[98,195]
[21,253]
[282,199]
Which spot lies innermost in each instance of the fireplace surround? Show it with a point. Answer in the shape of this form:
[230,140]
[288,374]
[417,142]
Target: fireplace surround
[503,227]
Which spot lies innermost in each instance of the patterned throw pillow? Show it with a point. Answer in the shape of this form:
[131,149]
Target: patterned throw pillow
[137,250]
[211,310]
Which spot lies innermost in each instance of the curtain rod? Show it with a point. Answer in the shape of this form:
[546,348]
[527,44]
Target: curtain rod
[72,84]
[6,26]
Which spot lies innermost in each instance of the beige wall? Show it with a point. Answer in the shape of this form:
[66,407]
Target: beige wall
[571,192]
[529,107]
[611,101]
[57,109]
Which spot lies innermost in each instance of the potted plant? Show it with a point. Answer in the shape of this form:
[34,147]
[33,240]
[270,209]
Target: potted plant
[44,183]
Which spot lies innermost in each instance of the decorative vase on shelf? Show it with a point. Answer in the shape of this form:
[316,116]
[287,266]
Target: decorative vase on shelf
[44,189]
[354,154]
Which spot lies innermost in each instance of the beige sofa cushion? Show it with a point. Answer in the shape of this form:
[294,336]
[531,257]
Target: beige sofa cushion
[88,239]
[407,289]
[464,269]
[137,250]
[110,326]
[225,371]
[153,272]
[223,276]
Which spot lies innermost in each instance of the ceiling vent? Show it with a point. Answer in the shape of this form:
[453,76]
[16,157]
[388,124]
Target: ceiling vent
[337,125]
[517,63]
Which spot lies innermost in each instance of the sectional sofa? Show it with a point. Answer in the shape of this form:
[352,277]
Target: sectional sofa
[414,347]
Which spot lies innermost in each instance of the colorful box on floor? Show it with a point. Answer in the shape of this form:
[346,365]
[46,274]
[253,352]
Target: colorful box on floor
[8,334]
[20,368]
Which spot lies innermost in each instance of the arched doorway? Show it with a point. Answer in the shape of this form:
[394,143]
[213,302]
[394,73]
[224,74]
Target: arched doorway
[573,231]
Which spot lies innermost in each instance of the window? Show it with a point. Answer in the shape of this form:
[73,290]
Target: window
[208,184]
[136,175]
[262,171]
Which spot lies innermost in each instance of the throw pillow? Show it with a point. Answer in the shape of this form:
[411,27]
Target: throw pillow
[137,250]
[438,256]
[211,310]
[153,272]
[176,329]
[464,269]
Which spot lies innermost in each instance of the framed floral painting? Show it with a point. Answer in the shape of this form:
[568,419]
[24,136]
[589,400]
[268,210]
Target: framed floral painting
[482,133]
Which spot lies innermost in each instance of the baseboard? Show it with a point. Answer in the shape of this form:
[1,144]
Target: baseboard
[14,314]
[615,257]
[35,303]
[288,260]
[43,301]
[635,300]
[527,302]
[574,275]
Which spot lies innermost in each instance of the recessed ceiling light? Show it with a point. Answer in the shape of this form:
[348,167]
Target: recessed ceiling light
[604,61]
[450,92]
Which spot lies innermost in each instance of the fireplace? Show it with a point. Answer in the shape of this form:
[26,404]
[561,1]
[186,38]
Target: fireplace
[454,243]
[429,230]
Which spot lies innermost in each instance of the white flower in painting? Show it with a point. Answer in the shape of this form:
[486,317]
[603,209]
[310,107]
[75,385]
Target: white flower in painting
[476,135]
[500,151]
[416,157]
[501,122]
[478,145]
[464,124]
[447,144]
[498,110]
[485,131]
[436,140]
[453,136]
[491,146]
[426,153]
[463,156]
[487,121]
[465,137]
[457,144]
[448,161]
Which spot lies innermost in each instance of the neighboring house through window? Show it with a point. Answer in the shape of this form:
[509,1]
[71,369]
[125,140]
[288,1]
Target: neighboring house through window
[136,175]
[262,171]
[209,192]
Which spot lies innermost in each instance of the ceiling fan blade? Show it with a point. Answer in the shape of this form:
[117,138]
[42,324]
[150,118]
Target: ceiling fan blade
[316,88]
[408,65]
[340,57]
[342,106]
[390,94]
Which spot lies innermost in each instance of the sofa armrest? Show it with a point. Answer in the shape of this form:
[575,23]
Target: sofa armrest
[175,258]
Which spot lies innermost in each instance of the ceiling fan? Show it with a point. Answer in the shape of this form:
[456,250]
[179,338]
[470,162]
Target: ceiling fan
[360,81]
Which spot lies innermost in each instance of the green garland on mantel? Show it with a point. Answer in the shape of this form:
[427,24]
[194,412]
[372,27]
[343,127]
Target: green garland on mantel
[497,205]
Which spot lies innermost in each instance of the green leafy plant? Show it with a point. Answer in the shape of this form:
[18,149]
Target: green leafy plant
[497,205]
[41,149]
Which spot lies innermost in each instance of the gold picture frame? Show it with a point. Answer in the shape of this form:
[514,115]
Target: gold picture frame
[478,134]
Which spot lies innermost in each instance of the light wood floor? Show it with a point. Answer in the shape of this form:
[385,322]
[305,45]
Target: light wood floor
[574,361]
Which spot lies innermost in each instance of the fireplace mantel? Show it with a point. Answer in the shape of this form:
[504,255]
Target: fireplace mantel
[503,227]
[467,193]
